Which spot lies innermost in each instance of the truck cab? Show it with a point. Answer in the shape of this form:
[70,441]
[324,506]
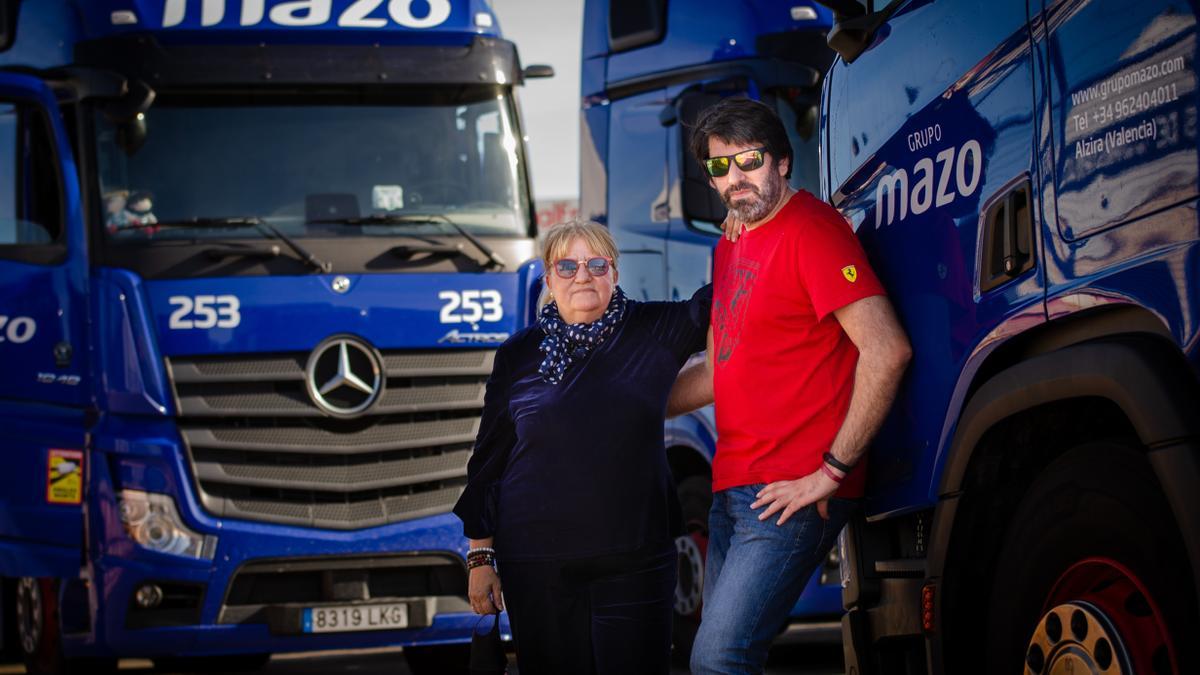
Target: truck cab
[1022,178]
[255,259]
[649,68]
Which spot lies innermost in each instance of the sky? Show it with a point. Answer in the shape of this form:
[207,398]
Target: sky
[548,31]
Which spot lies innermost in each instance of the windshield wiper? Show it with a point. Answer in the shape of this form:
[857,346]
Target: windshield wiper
[240,222]
[493,260]
[242,251]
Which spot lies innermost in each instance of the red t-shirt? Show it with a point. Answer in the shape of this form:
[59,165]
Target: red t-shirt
[784,368]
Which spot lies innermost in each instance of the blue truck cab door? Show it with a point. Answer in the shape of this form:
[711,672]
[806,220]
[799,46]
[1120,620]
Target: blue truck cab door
[637,207]
[44,385]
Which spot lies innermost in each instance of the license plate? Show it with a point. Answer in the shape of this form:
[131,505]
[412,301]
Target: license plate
[355,617]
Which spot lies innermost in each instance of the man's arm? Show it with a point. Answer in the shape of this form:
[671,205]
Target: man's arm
[693,388]
[883,354]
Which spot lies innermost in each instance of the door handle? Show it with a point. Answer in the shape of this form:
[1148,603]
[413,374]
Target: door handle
[1007,237]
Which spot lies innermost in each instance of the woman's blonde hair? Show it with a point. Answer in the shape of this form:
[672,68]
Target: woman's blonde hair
[558,240]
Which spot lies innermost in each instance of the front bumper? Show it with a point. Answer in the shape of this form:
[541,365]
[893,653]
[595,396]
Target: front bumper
[248,598]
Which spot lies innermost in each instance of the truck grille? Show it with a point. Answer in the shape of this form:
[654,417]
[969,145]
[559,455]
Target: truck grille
[275,591]
[261,450]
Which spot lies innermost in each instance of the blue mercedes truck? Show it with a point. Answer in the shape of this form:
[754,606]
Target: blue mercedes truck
[1024,177]
[255,258]
[649,67]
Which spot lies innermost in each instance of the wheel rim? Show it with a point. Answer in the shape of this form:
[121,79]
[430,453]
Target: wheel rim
[1099,618]
[689,588]
[29,614]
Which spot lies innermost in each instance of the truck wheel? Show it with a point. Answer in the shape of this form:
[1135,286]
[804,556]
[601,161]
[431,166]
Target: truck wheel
[695,500]
[438,659]
[39,632]
[37,626]
[1092,576]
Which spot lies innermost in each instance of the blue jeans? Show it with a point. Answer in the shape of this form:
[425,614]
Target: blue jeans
[753,576]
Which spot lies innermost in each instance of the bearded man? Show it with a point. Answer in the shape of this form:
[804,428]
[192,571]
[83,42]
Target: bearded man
[804,358]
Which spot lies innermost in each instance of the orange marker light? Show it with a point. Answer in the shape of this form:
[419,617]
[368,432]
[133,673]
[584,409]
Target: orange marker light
[927,608]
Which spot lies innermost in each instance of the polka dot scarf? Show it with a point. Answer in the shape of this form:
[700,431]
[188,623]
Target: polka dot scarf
[567,343]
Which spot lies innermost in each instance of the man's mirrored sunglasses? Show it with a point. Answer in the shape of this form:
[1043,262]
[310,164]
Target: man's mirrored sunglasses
[567,268]
[746,160]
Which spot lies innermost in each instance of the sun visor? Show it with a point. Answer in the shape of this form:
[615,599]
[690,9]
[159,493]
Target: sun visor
[481,61]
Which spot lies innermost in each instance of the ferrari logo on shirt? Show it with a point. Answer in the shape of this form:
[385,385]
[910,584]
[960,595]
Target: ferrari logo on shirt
[850,272]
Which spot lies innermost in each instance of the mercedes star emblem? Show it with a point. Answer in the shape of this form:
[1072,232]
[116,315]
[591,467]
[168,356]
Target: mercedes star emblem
[344,376]
[340,284]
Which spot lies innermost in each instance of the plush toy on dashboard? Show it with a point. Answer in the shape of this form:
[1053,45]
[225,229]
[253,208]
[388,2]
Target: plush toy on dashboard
[139,210]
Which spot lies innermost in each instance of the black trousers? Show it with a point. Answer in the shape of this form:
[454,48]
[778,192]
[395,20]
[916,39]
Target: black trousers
[603,616]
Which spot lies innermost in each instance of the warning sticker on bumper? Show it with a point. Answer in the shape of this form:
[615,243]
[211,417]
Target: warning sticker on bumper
[64,481]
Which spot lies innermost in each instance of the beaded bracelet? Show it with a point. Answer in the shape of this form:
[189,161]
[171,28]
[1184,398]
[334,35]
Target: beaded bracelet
[480,561]
[478,557]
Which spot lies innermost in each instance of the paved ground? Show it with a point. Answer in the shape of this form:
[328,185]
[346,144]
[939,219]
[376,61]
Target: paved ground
[789,660]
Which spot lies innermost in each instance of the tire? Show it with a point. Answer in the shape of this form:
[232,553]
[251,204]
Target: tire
[39,632]
[231,663]
[695,500]
[1092,548]
[438,659]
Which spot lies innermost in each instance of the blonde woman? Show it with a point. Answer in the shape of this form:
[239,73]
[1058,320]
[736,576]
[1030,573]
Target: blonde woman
[569,499]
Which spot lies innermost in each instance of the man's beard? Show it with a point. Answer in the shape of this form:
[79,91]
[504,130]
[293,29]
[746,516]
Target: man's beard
[756,207]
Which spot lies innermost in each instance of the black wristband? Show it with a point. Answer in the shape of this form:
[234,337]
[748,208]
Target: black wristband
[833,461]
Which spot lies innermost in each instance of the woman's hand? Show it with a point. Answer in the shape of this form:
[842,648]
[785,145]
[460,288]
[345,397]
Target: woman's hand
[731,227]
[483,590]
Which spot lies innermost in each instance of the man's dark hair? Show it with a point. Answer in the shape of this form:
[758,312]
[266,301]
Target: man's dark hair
[741,121]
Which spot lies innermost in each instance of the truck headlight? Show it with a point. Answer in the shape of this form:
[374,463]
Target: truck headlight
[152,521]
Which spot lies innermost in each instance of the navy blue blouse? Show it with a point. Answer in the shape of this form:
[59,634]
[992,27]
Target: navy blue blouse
[579,468]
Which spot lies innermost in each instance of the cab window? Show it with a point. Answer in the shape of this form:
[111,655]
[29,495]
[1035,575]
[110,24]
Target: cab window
[30,191]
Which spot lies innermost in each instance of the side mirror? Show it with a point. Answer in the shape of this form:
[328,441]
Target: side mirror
[135,100]
[700,202]
[729,86]
[537,70]
[128,113]
[854,26]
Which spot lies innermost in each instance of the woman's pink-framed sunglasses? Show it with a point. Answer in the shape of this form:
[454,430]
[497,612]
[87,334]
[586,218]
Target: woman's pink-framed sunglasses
[597,266]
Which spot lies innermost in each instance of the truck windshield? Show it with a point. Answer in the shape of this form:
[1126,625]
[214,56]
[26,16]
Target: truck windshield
[305,164]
